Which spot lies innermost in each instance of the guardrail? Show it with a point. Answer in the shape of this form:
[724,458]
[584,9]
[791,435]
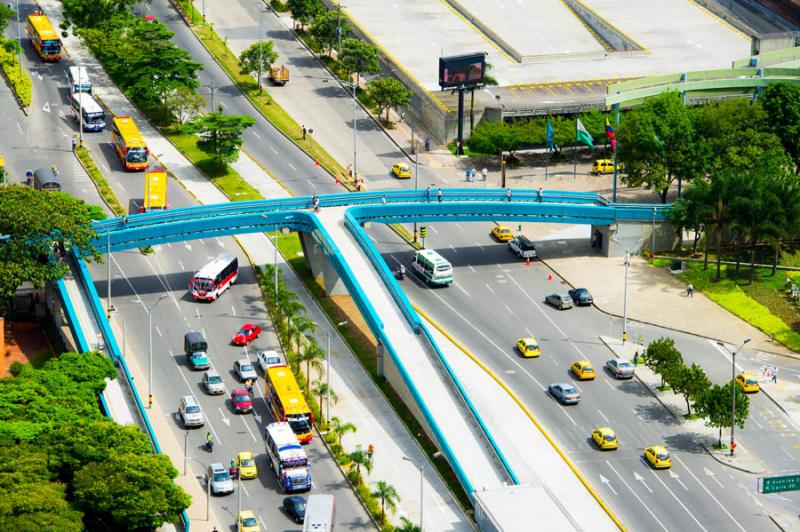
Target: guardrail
[85,280]
[72,317]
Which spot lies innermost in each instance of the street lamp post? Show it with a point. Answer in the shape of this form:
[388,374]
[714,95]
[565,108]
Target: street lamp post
[150,350]
[416,178]
[109,306]
[421,468]
[355,130]
[328,374]
[625,291]
[339,28]
[19,44]
[208,486]
[260,47]
[733,391]
[211,88]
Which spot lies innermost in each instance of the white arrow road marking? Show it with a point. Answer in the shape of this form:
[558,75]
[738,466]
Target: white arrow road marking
[685,509]
[711,474]
[187,245]
[712,496]
[607,482]
[46,106]
[675,476]
[640,478]
[646,507]
[233,311]
[257,418]
[40,79]
[224,419]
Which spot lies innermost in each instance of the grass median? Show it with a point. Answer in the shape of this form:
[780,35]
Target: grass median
[103,188]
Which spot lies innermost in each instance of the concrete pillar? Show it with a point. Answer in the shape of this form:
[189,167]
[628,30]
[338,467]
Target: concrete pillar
[331,281]
[381,353]
[313,254]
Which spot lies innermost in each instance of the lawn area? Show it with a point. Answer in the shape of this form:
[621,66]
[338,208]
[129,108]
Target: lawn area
[228,180]
[764,304]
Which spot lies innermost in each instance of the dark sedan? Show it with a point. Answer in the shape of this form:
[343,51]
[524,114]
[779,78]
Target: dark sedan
[566,394]
[581,297]
[295,508]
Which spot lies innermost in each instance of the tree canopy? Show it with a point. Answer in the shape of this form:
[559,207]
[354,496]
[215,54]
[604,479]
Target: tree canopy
[220,135]
[782,105]
[31,222]
[325,29]
[248,60]
[359,57]
[387,92]
[715,406]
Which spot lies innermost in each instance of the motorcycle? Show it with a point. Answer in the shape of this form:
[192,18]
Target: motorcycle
[210,446]
[400,274]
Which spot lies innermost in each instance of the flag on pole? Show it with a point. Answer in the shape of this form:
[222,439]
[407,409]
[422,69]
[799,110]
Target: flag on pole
[610,134]
[583,135]
[550,145]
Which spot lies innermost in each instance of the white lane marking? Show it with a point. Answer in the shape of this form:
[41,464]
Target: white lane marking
[609,384]
[197,312]
[256,135]
[46,106]
[274,150]
[162,278]
[479,246]
[539,308]
[528,331]
[432,228]
[724,351]
[602,415]
[554,361]
[191,391]
[471,268]
[224,417]
[678,458]
[760,427]
[685,509]
[222,104]
[244,422]
[755,499]
[564,410]
[459,226]
[311,183]
[233,310]
[512,359]
[512,312]
[633,409]
[454,249]
[159,331]
[458,285]
[640,478]
[673,475]
[181,265]
[244,489]
[788,453]
[293,167]
[711,474]
[219,242]
[121,187]
[646,507]
[490,288]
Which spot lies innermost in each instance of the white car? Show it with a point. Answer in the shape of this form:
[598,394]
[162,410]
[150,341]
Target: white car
[268,358]
[220,479]
[244,370]
[620,368]
[212,382]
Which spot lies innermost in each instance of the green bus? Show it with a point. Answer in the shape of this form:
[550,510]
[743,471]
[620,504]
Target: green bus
[432,267]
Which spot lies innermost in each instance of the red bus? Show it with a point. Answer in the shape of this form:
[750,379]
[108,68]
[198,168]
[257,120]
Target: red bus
[215,277]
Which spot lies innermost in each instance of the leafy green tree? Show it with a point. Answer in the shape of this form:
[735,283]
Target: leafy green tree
[220,135]
[248,60]
[663,358]
[359,57]
[304,11]
[715,405]
[31,222]
[495,137]
[93,13]
[6,14]
[106,487]
[690,382]
[782,104]
[388,92]
[406,525]
[656,144]
[313,355]
[340,428]
[183,104]
[388,497]
[324,28]
[360,458]
[299,327]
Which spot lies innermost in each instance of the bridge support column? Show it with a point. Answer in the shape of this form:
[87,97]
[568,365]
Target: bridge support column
[321,268]
[379,358]
[653,236]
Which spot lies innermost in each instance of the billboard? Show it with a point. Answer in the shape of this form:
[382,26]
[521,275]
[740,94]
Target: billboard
[462,71]
[155,190]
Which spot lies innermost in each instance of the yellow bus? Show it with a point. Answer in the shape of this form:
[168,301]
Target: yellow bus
[287,402]
[129,143]
[43,37]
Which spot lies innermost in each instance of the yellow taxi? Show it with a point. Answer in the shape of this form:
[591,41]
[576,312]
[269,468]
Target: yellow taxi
[502,233]
[747,382]
[247,522]
[246,465]
[658,456]
[528,347]
[401,171]
[583,370]
[605,438]
[603,166]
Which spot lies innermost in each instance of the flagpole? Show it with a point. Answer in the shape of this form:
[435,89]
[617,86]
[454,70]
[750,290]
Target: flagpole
[575,160]
[614,193]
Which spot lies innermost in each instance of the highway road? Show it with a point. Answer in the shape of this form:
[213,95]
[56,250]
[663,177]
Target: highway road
[497,299]
[137,281]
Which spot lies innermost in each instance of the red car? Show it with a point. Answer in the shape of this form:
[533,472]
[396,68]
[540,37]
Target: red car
[242,403]
[246,334]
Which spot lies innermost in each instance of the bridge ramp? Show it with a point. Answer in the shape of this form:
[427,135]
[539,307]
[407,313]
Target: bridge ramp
[469,445]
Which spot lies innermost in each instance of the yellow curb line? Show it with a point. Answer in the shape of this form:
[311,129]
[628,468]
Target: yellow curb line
[527,413]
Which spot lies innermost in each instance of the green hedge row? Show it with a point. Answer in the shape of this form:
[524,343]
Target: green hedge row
[18,78]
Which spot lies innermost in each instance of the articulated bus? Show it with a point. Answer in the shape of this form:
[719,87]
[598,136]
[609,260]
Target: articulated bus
[129,143]
[215,277]
[43,37]
[287,402]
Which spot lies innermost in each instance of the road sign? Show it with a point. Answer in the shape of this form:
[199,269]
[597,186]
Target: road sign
[777,483]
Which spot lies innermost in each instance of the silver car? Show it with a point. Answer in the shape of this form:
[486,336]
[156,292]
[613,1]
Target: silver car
[620,368]
[220,479]
[566,394]
[212,381]
[244,370]
[560,301]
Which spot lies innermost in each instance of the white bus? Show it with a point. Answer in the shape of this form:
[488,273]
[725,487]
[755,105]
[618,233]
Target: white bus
[319,514]
[432,267]
[287,459]
[94,119]
[215,277]
[79,80]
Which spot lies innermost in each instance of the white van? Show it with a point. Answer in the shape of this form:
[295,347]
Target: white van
[190,412]
[432,267]
[79,80]
[268,358]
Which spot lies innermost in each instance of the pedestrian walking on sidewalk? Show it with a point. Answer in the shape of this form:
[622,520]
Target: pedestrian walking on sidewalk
[469,173]
[428,192]
[508,194]
[690,290]
[305,132]
[774,375]
[74,143]
[540,194]
[485,173]
[636,359]
[439,195]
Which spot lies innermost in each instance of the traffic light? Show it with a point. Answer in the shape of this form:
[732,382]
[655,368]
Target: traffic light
[423,232]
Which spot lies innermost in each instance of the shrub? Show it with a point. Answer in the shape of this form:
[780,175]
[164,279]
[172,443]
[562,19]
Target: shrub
[20,85]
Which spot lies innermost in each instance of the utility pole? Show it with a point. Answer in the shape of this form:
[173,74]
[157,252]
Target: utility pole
[150,350]
[339,29]
[260,48]
[416,179]
[355,130]
[19,44]
[109,307]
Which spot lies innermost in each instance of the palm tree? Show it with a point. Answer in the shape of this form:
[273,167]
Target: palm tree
[298,327]
[388,496]
[408,526]
[320,389]
[360,458]
[339,428]
[313,355]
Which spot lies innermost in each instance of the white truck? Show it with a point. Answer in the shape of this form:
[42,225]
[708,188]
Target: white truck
[522,247]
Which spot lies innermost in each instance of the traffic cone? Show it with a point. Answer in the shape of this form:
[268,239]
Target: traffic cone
[528,262]
[549,276]
[337,180]
[316,163]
